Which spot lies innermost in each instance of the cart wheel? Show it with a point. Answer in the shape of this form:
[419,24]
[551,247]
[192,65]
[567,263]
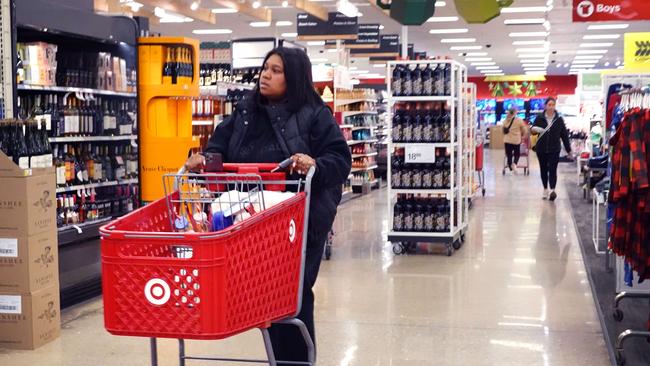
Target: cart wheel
[450,250]
[398,248]
[483,192]
[457,244]
[618,315]
[620,359]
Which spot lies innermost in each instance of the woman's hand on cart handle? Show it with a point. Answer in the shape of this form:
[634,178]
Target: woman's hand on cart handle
[195,163]
[302,163]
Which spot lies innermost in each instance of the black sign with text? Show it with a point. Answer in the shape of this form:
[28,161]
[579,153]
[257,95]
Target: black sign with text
[337,26]
[388,46]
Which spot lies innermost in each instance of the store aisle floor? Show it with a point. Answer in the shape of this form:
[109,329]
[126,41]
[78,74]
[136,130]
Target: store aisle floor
[515,294]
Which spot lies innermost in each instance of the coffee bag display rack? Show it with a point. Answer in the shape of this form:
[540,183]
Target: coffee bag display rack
[426,150]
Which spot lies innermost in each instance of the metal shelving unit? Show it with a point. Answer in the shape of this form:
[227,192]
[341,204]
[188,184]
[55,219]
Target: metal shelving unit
[66,139]
[66,89]
[469,152]
[456,194]
[97,185]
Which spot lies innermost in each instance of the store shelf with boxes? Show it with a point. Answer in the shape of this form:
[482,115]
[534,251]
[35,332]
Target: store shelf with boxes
[70,154]
[356,109]
[427,195]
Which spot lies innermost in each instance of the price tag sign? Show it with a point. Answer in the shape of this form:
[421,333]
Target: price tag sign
[420,154]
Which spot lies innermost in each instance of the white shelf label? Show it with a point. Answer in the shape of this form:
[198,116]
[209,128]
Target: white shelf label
[420,154]
[9,247]
[11,304]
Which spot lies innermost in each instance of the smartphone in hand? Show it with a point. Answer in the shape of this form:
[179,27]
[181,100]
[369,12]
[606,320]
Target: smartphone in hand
[213,162]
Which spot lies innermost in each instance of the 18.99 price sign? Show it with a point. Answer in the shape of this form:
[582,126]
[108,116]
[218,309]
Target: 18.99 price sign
[419,154]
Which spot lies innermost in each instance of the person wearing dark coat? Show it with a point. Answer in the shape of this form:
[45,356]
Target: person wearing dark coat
[550,128]
[284,117]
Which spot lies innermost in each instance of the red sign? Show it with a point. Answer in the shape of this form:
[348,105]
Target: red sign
[610,10]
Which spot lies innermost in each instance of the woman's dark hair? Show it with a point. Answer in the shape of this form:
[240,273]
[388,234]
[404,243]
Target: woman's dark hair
[297,74]
[549,99]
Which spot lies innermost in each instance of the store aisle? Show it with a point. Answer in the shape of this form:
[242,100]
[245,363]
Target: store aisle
[515,294]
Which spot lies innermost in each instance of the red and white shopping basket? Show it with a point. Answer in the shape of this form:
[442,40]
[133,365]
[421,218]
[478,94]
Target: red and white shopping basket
[158,282]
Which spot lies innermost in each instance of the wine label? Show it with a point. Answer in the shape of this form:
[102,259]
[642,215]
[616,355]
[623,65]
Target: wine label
[427,87]
[23,162]
[98,171]
[107,122]
[80,176]
[84,175]
[60,175]
[398,222]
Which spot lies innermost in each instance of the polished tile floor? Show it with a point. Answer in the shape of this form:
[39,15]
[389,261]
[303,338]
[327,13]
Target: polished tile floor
[515,294]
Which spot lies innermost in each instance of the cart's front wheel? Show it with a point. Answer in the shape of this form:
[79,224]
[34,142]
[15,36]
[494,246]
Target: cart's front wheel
[483,191]
[620,359]
[457,244]
[618,315]
[398,248]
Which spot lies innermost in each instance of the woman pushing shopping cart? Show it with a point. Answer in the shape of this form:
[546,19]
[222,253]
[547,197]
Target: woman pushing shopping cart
[282,118]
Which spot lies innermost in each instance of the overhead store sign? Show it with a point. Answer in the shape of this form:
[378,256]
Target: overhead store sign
[637,51]
[610,10]
[338,26]
[388,47]
[368,37]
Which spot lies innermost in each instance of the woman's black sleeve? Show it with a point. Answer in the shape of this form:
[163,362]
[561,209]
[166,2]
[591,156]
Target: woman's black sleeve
[330,150]
[220,138]
[564,135]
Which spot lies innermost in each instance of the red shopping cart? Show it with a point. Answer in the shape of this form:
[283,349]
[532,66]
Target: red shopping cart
[524,157]
[159,282]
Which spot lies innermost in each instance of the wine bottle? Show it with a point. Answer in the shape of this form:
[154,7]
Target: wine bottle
[167,67]
[20,151]
[59,164]
[69,166]
[97,165]
[46,148]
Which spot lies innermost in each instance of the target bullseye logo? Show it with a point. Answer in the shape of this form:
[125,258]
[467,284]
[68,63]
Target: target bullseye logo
[292,231]
[157,291]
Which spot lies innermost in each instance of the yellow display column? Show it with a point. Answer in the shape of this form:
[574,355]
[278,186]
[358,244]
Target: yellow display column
[168,69]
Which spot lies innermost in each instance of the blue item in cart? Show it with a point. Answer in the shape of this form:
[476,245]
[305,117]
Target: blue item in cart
[181,223]
[629,275]
[220,221]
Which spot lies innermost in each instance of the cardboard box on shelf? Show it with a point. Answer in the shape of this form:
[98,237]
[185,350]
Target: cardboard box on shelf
[28,321]
[27,200]
[28,263]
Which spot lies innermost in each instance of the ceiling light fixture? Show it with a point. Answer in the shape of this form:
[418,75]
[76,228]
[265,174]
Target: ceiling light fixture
[531,49]
[442,19]
[594,45]
[170,17]
[607,26]
[547,25]
[379,65]
[256,4]
[440,4]
[618,63]
[558,65]
[458,40]
[283,23]
[541,72]
[528,34]
[359,72]
[584,62]
[530,43]
[212,31]
[588,57]
[591,52]
[195,5]
[483,63]
[470,59]
[533,55]
[224,11]
[465,48]
[322,59]
[290,35]
[381,26]
[448,31]
[260,24]
[285,4]
[488,67]
[524,21]
[566,64]
[534,65]
[524,9]
[316,43]
[601,36]
[607,64]
[473,54]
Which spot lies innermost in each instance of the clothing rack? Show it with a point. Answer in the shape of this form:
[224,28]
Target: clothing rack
[637,96]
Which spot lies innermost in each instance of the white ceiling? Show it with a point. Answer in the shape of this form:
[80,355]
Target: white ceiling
[564,36]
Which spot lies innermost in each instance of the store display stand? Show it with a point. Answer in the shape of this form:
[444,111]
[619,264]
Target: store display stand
[452,239]
[469,152]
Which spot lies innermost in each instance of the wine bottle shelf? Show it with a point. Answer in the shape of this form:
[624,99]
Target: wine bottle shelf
[96,185]
[79,232]
[66,139]
[340,102]
[423,99]
[355,142]
[356,113]
[68,89]
[400,145]
[354,170]
[372,183]
[356,156]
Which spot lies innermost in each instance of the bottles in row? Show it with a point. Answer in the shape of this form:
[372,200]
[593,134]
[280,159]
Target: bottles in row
[87,205]
[74,117]
[421,125]
[84,164]
[25,143]
[233,96]
[205,108]
[364,162]
[95,70]
[362,134]
[179,66]
[360,178]
[421,214]
[361,120]
[433,80]
[211,74]
[421,176]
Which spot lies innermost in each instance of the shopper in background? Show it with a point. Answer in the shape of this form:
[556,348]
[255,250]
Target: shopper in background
[514,129]
[550,129]
[285,117]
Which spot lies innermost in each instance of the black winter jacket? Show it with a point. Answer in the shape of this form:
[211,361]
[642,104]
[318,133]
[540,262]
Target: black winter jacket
[550,142]
[312,131]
